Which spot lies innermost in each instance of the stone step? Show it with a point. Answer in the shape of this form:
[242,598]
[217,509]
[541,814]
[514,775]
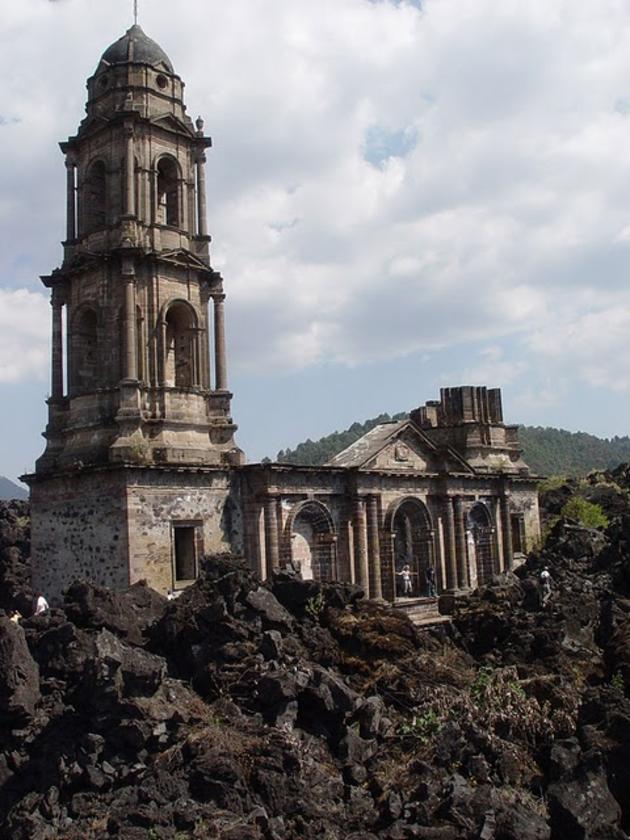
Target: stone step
[423,612]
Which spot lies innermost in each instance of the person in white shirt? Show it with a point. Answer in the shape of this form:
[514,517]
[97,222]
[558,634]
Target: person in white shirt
[40,604]
[545,581]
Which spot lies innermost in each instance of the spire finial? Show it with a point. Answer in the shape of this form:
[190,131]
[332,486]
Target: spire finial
[135,12]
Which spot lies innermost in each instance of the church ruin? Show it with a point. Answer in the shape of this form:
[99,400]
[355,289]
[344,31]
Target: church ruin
[141,474]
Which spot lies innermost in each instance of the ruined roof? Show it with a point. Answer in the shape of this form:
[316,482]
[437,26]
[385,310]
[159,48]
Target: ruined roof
[366,447]
[136,47]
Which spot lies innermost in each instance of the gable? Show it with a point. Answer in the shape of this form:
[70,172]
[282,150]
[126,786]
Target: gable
[403,453]
[399,446]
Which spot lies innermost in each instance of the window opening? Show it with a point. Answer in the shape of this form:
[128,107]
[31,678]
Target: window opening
[185,553]
[168,193]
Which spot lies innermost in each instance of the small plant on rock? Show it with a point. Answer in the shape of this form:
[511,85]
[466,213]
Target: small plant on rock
[421,726]
[315,605]
[617,682]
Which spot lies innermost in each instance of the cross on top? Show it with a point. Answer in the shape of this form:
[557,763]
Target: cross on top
[135,11]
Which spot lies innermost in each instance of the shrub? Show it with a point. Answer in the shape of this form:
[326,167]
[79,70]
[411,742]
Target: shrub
[586,513]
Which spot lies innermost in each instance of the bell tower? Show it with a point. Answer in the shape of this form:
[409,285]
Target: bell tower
[139,428]
[139,296]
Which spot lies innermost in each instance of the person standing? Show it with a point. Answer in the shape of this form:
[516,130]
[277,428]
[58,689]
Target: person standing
[40,604]
[545,583]
[430,578]
[405,573]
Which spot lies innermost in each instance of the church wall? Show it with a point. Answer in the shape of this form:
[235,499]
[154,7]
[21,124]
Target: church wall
[159,500]
[79,531]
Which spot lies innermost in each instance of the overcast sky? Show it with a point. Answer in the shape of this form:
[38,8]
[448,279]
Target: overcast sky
[401,196]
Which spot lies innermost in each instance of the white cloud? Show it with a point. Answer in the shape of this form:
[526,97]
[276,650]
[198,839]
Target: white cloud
[385,179]
[24,334]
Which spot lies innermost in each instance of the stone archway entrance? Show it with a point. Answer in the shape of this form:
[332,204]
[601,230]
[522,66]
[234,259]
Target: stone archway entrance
[412,547]
[481,548]
[312,542]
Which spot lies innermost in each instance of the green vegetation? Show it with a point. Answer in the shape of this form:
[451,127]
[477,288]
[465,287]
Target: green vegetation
[421,726]
[556,451]
[547,451]
[617,682]
[315,605]
[586,513]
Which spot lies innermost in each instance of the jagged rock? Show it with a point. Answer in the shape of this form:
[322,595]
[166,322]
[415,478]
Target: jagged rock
[19,675]
[128,614]
[274,614]
[585,809]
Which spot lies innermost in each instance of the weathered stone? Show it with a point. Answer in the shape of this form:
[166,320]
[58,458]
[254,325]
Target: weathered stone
[19,675]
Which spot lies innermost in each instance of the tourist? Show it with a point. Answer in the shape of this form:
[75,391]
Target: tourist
[406,573]
[430,578]
[40,604]
[15,616]
[545,582]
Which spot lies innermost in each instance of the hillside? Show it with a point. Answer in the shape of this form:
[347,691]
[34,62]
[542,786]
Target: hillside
[548,451]
[11,490]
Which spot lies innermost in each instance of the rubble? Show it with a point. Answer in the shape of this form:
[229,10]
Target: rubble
[294,709]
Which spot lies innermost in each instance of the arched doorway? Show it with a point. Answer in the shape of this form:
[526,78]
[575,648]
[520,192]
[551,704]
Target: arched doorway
[312,542]
[412,538]
[481,553]
[180,346]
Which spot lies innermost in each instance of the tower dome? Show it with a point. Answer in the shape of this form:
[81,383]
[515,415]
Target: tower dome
[136,47]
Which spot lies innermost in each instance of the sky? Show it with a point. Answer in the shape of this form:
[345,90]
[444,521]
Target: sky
[401,196]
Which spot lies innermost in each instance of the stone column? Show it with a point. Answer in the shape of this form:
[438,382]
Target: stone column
[131,362]
[360,546]
[202,221]
[449,544]
[219,344]
[461,548]
[506,528]
[71,220]
[130,163]
[204,338]
[57,346]
[272,547]
[376,587]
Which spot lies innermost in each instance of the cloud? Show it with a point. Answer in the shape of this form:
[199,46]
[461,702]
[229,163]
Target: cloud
[386,179]
[24,335]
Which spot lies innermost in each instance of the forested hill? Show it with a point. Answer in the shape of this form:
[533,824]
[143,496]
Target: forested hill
[547,451]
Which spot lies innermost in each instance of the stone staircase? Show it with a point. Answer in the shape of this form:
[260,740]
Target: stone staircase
[423,612]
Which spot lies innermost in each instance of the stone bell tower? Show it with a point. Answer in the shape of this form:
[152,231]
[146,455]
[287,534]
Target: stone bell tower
[136,391]
[136,282]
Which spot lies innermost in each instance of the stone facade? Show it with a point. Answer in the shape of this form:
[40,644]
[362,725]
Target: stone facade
[141,474]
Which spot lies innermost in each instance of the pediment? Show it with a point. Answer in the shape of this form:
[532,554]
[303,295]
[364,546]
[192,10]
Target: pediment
[402,447]
[171,123]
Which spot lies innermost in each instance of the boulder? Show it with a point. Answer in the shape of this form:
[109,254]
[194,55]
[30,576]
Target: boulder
[584,808]
[19,675]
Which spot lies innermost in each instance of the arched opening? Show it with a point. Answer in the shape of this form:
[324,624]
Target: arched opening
[413,548]
[84,350]
[96,197]
[180,346]
[312,542]
[481,553]
[168,192]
